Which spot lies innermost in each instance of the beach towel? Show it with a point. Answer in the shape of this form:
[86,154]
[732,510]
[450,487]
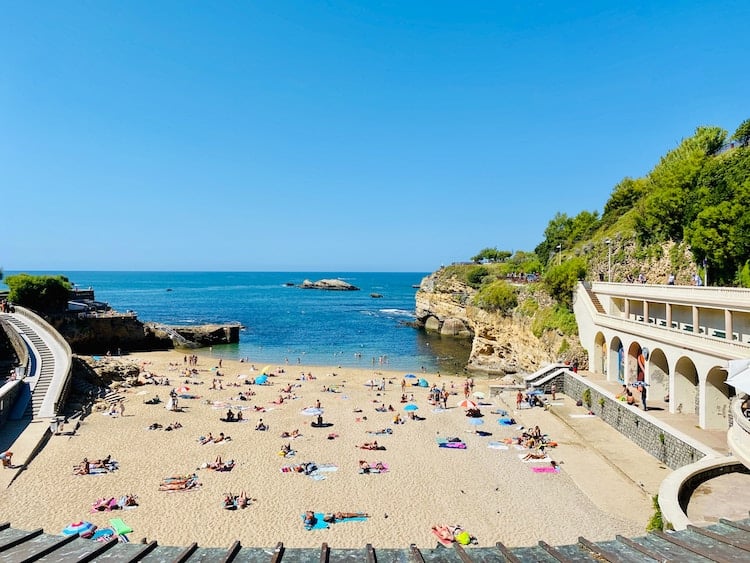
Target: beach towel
[374,469]
[497,446]
[547,469]
[501,412]
[450,443]
[319,523]
[120,527]
[443,540]
[103,534]
[352,519]
[506,421]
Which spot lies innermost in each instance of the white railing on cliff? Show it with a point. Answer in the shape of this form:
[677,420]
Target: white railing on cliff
[52,403]
[735,298]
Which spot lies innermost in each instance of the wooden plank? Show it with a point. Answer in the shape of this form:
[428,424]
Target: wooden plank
[324,553]
[278,553]
[602,552]
[19,540]
[34,554]
[462,553]
[186,553]
[94,553]
[507,553]
[416,555]
[141,553]
[710,554]
[4,526]
[643,549]
[231,552]
[370,553]
[744,546]
[736,525]
[554,552]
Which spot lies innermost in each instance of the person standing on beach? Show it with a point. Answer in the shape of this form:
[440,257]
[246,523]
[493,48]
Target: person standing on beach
[553,391]
[519,400]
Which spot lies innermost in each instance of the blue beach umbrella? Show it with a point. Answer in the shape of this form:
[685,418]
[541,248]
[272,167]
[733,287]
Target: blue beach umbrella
[410,376]
[261,379]
[411,407]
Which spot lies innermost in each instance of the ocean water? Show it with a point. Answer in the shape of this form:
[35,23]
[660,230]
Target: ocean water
[288,324]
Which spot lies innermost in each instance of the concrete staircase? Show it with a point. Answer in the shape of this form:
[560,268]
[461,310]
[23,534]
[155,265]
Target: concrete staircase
[43,369]
[595,301]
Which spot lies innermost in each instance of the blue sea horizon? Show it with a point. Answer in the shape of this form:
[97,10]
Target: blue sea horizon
[286,324]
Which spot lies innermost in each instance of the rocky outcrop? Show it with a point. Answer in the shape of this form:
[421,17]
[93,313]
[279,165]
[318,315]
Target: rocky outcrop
[329,284]
[500,344]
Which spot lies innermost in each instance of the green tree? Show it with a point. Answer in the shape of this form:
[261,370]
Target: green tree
[499,296]
[492,255]
[557,233]
[742,135]
[561,280]
[46,294]
[475,275]
[623,199]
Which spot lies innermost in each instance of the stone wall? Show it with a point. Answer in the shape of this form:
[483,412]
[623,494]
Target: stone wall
[628,420]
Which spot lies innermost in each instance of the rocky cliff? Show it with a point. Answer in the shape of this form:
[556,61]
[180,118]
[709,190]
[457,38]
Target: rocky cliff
[500,344]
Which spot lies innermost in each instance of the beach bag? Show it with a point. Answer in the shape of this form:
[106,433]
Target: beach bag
[462,537]
[579,403]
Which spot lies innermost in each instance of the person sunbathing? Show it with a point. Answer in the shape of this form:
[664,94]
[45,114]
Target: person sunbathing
[239,416]
[286,449]
[243,501]
[364,466]
[309,519]
[536,433]
[293,434]
[534,455]
[82,468]
[154,426]
[207,439]
[443,532]
[332,517]
[261,425]
[129,500]
[371,446]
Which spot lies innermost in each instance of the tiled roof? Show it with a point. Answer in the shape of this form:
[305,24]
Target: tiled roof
[725,541]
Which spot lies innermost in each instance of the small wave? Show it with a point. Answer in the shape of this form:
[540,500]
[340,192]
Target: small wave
[397,312]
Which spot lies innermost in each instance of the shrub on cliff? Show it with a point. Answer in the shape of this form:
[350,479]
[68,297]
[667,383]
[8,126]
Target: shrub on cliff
[554,318]
[46,294]
[499,296]
[561,280]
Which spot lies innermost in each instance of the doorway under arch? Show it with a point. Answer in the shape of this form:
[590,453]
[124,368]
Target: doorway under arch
[616,363]
[599,362]
[658,374]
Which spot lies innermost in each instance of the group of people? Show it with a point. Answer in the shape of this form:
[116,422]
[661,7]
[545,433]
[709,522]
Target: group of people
[232,502]
[627,396]
[209,439]
[87,466]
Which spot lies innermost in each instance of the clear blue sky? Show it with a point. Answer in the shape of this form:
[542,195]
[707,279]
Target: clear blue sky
[340,135]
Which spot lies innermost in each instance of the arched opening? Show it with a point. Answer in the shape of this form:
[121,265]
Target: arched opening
[599,363]
[685,387]
[718,395]
[636,368]
[658,375]
[616,362]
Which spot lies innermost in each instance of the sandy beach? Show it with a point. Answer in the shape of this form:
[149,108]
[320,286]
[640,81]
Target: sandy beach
[489,492]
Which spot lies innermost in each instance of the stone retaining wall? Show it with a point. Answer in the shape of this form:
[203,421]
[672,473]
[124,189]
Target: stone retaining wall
[670,449]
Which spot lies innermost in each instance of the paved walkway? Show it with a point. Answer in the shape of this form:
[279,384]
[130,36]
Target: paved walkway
[24,438]
[685,423]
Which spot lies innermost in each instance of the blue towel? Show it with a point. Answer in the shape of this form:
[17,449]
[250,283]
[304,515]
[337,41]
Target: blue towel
[319,524]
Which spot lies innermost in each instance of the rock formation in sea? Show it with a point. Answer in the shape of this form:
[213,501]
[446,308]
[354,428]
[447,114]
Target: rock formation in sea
[329,284]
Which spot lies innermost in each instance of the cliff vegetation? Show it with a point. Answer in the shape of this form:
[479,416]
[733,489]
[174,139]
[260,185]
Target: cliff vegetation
[687,217]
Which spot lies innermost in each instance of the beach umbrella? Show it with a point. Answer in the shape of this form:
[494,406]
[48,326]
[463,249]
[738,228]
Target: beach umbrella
[261,379]
[411,407]
[410,376]
[467,404]
[476,421]
[81,528]
[183,389]
[479,394]
[312,411]
[267,369]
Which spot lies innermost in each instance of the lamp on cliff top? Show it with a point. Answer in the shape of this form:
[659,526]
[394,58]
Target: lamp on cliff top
[609,259]
[559,254]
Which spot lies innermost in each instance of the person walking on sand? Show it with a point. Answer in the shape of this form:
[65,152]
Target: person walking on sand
[519,400]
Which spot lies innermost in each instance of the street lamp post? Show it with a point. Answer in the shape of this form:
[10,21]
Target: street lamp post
[559,254]
[609,260]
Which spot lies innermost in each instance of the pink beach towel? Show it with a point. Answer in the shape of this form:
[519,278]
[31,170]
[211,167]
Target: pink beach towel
[547,469]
